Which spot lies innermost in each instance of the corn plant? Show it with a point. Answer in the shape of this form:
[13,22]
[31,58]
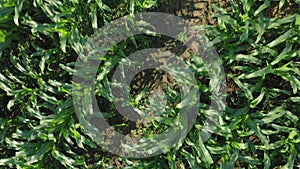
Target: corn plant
[39,44]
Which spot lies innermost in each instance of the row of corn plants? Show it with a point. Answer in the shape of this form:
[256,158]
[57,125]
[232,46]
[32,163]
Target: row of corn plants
[40,41]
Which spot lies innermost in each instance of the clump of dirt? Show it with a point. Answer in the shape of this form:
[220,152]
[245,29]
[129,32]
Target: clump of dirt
[195,11]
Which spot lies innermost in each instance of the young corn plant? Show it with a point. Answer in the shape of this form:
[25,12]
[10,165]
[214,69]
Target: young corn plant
[261,55]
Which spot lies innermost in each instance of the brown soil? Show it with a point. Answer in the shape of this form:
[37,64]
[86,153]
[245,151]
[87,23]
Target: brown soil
[290,7]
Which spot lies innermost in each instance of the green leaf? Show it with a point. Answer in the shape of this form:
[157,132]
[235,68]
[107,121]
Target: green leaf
[50,99]
[79,138]
[291,116]
[295,83]
[4,87]
[256,101]
[226,19]
[233,158]
[274,114]
[131,7]
[245,34]
[42,63]
[281,3]
[297,21]
[41,151]
[295,99]
[281,38]
[260,27]
[188,100]
[292,134]
[241,111]
[18,10]
[279,22]
[247,91]
[248,58]
[257,130]
[262,7]
[258,73]
[267,160]
[16,62]
[67,68]
[94,18]
[7,161]
[247,4]
[8,37]
[63,37]
[102,6]
[66,161]
[283,54]
[291,159]
[250,160]
[10,104]
[240,146]
[192,160]
[202,151]
[217,149]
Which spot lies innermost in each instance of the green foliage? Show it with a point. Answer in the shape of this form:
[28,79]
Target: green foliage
[39,43]
[262,58]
